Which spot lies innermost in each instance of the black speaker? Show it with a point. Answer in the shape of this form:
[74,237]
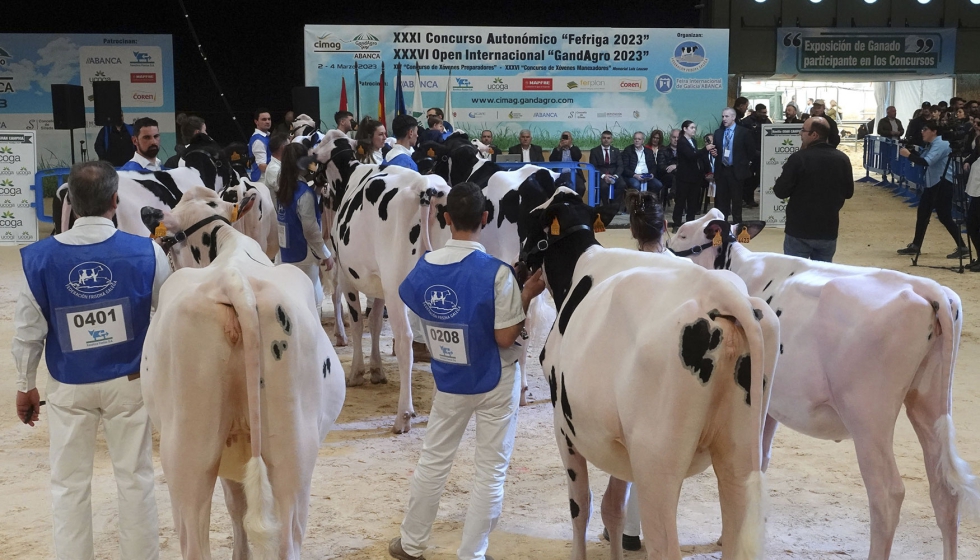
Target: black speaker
[306,100]
[108,102]
[68,106]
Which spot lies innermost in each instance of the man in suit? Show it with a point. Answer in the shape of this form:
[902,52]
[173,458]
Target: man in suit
[527,150]
[640,165]
[567,151]
[754,123]
[733,152]
[667,167]
[609,161]
[889,126]
[486,137]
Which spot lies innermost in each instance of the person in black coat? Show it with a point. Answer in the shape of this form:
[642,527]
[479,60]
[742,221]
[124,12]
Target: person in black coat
[819,110]
[534,152]
[566,150]
[733,151]
[115,143]
[638,172]
[608,160]
[667,167]
[688,176]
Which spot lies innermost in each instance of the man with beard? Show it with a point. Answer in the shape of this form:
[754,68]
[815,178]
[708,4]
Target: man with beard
[146,138]
[792,117]
[820,110]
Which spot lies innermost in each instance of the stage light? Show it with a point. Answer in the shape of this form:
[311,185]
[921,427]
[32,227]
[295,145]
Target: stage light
[815,1]
[873,1]
[923,1]
[761,1]
[975,1]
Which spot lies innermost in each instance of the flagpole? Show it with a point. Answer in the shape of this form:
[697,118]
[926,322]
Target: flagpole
[357,93]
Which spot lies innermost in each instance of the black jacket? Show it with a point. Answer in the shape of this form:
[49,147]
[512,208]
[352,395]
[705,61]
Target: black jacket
[534,151]
[576,155]
[816,181]
[744,151]
[884,128]
[120,147]
[630,161]
[834,138]
[688,162]
[598,160]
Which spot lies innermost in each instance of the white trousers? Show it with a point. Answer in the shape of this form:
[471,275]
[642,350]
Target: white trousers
[74,414]
[632,525]
[496,424]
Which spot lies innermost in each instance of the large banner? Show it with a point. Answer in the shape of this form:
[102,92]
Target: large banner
[584,80]
[30,63]
[18,164]
[875,54]
[779,141]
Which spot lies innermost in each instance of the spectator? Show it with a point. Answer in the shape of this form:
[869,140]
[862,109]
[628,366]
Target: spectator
[754,123]
[732,164]
[816,180]
[371,135]
[667,167]
[525,149]
[258,144]
[819,111]
[345,122]
[277,143]
[707,162]
[795,106]
[688,176]
[938,192]
[656,141]
[792,115]
[146,138]
[740,106]
[406,130]
[115,143]
[567,151]
[190,127]
[486,138]
[973,191]
[809,106]
[913,135]
[435,133]
[640,166]
[437,112]
[889,126]
[834,111]
[608,160]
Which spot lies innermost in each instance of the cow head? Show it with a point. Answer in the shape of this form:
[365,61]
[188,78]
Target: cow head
[453,159]
[335,163]
[189,232]
[709,240]
[206,156]
[236,155]
[555,232]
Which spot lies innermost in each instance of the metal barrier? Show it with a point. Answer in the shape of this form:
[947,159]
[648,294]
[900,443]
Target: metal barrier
[903,177]
[591,174]
[62,174]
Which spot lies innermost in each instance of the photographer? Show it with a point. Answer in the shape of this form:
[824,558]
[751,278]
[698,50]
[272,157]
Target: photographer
[567,151]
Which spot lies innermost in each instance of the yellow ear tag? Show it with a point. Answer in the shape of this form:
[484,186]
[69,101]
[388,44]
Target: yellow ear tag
[235,156]
[743,236]
[717,240]
[160,231]
[360,150]
[555,228]
[431,153]
[234,213]
[598,226]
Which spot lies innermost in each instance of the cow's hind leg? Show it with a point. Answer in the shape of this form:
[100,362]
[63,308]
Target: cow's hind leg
[355,376]
[579,494]
[375,322]
[614,514]
[339,332]
[235,501]
[191,473]
[873,444]
[402,333]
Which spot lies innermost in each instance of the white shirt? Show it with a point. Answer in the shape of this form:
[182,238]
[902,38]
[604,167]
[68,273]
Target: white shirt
[149,165]
[526,154]
[508,309]
[397,150]
[894,124]
[641,161]
[30,327]
[271,178]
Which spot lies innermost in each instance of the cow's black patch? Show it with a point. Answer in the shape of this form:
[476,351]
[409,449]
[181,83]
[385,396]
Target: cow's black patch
[414,250]
[697,339]
[929,337]
[488,206]
[196,253]
[169,194]
[352,296]
[353,314]
[743,376]
[510,206]
[571,474]
[575,298]
[566,408]
[440,215]
[413,234]
[213,251]
[213,204]
[553,385]
[792,273]
[541,357]
[779,312]
[768,300]
[279,348]
[780,348]
[758,314]
[352,273]
[374,190]
[383,206]
[568,443]
[326,367]
[574,508]
[284,322]
[769,283]
[206,239]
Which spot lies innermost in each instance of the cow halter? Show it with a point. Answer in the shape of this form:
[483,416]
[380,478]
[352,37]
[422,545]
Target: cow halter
[698,249]
[168,241]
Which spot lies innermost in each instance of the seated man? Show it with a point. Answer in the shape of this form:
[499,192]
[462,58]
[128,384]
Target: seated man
[609,161]
[529,152]
[567,151]
[640,165]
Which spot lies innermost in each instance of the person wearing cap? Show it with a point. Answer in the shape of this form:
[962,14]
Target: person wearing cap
[86,304]
[472,333]
[820,110]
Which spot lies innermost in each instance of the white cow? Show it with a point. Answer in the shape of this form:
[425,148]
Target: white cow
[388,217]
[857,343]
[656,387]
[240,380]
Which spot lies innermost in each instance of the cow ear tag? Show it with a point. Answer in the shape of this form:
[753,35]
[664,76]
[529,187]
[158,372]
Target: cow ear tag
[743,236]
[717,240]
[431,153]
[160,231]
[598,226]
[234,213]
[555,227]
[360,150]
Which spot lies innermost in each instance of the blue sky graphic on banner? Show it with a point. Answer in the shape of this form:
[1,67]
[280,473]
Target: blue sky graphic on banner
[584,80]
[30,63]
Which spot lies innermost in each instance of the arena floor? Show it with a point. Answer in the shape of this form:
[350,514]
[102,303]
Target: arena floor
[818,506]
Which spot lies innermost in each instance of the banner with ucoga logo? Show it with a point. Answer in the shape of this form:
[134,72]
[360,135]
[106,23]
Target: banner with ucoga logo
[18,164]
[546,79]
[779,141]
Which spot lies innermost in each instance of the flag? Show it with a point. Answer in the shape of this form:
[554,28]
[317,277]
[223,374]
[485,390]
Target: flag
[417,109]
[399,94]
[343,94]
[381,97]
[448,109]
[357,94]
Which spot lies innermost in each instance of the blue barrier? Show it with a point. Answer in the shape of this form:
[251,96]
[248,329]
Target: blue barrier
[881,155]
[62,174]
[591,173]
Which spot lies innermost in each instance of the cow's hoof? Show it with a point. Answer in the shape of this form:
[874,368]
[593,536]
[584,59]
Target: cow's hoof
[378,376]
[403,423]
[719,541]
[525,397]
[341,341]
[356,379]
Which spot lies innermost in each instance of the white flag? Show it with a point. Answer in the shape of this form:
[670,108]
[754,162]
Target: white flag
[417,109]
[448,109]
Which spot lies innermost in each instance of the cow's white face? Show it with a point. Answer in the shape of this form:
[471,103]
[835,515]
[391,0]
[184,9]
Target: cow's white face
[693,234]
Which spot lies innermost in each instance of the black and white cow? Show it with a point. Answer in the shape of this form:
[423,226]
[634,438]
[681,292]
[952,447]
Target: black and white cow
[651,389]
[857,344]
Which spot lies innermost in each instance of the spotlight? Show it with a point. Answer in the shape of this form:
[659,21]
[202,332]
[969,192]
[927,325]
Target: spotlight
[815,1]
[873,1]
[975,2]
[923,1]
[761,1]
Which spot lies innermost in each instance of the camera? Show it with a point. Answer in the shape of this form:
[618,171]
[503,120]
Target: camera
[565,137]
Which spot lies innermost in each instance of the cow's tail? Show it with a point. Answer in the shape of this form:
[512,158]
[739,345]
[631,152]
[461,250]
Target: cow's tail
[955,471]
[261,525]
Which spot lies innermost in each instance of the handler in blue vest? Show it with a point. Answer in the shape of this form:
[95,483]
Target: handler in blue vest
[473,312]
[258,145]
[300,238]
[406,131]
[87,301]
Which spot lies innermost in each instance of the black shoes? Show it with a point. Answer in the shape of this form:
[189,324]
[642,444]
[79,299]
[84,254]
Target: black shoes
[910,249]
[959,253]
[629,542]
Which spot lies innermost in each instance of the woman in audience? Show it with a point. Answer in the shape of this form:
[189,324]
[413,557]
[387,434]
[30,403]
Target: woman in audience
[655,141]
[647,221]
[371,135]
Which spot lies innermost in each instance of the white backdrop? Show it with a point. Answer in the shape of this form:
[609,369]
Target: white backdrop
[908,95]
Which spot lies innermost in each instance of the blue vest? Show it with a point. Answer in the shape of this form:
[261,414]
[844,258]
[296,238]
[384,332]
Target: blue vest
[254,173]
[402,160]
[96,300]
[292,242]
[456,305]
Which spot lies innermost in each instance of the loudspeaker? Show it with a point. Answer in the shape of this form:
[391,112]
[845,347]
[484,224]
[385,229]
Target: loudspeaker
[108,102]
[306,100]
[68,106]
